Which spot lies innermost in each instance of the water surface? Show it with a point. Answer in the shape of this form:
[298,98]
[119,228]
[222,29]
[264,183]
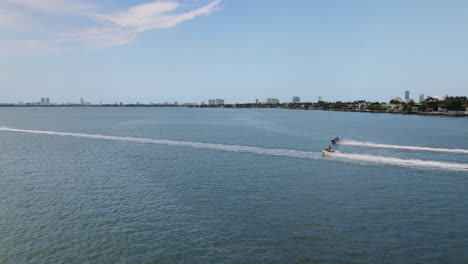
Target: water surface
[67,199]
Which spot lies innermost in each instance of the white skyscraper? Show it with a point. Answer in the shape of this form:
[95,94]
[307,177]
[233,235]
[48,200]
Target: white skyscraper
[421,98]
[273,101]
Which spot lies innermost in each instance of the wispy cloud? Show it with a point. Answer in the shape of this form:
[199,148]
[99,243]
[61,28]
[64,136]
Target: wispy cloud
[12,19]
[107,30]
[51,5]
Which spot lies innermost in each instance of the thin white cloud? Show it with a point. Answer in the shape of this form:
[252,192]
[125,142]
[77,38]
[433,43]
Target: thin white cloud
[110,29]
[51,5]
[12,19]
[97,37]
[155,15]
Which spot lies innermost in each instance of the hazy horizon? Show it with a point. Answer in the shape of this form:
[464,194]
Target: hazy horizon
[191,51]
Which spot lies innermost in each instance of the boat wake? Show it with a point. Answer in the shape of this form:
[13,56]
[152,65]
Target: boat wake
[386,146]
[232,148]
[430,164]
[262,151]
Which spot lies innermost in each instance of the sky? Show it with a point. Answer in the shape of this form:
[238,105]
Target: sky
[239,50]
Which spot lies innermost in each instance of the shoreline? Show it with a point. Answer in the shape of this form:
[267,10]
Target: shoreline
[444,114]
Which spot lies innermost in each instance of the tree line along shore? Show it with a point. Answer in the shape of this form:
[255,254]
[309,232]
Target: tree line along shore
[449,106]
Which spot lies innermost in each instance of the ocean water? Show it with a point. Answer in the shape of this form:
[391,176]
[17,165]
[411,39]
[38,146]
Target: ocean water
[178,185]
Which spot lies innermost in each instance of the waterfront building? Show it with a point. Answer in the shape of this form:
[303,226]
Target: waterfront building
[273,101]
[212,102]
[421,98]
[256,101]
[82,101]
[320,99]
[47,101]
[219,101]
[407,99]
[296,99]
[42,100]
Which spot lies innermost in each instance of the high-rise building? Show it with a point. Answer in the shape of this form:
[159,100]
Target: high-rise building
[81,101]
[320,99]
[219,101]
[296,99]
[47,101]
[42,100]
[212,102]
[256,101]
[407,96]
[273,101]
[421,98]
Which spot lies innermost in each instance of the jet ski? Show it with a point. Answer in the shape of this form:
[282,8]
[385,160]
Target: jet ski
[327,151]
[335,140]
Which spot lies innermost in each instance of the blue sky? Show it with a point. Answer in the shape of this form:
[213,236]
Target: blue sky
[239,50]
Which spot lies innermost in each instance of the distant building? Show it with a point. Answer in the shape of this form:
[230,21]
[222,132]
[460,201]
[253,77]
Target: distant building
[296,99]
[407,96]
[421,98]
[82,101]
[47,101]
[256,101]
[176,103]
[320,99]
[273,101]
[219,101]
[216,101]
[42,100]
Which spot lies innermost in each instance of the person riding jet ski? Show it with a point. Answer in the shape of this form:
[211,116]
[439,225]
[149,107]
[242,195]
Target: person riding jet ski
[328,150]
[335,140]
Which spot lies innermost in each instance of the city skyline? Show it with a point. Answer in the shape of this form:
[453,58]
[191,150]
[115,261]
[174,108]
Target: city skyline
[112,51]
[220,101]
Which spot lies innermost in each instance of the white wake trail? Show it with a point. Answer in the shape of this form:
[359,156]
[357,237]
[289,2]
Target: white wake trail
[386,146]
[432,164]
[201,145]
[263,151]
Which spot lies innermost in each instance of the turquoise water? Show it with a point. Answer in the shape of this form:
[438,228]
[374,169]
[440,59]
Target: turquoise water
[206,196]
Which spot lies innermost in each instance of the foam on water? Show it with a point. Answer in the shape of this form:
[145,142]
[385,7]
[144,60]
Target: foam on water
[386,146]
[432,164]
[264,151]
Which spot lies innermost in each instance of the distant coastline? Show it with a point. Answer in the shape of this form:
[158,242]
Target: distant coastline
[358,106]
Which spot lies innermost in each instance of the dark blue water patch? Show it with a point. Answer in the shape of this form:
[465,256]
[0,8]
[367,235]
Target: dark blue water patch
[76,200]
